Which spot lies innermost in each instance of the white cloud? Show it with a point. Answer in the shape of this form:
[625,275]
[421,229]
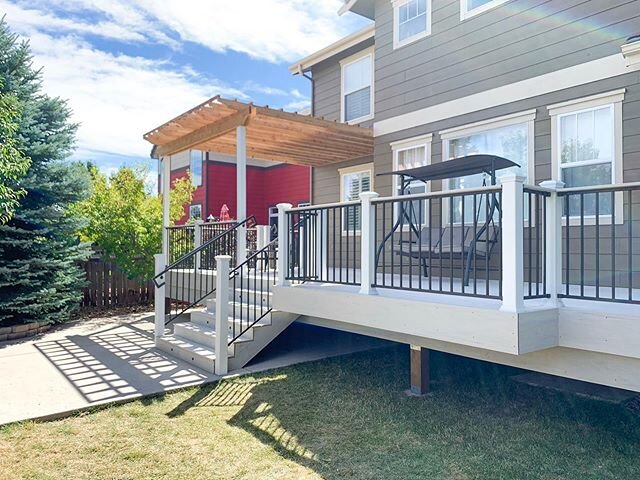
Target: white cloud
[116,98]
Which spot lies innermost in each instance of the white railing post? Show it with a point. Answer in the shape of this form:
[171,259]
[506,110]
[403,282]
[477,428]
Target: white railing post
[222,314]
[197,241]
[159,297]
[512,243]
[367,243]
[283,243]
[262,240]
[553,239]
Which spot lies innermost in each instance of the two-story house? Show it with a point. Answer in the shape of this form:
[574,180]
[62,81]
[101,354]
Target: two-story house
[495,215]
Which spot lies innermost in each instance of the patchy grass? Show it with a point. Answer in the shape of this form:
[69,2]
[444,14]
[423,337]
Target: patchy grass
[344,418]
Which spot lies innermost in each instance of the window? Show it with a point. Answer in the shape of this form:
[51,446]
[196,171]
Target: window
[357,87]
[412,21]
[469,8]
[354,181]
[407,154]
[195,212]
[510,137]
[587,147]
[196,168]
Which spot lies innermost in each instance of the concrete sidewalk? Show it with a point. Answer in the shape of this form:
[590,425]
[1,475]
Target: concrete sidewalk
[108,360]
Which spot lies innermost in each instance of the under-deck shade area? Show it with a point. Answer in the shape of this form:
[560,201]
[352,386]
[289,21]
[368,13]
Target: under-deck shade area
[270,134]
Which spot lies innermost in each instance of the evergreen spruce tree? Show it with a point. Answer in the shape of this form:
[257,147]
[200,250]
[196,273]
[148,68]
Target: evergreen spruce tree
[40,279]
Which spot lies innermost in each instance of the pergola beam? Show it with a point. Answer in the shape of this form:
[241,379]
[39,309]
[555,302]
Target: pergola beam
[208,132]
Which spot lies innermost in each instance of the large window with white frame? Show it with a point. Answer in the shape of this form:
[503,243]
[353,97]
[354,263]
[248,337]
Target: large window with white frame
[354,181]
[357,87]
[587,147]
[469,8]
[411,21]
[195,167]
[510,137]
[408,154]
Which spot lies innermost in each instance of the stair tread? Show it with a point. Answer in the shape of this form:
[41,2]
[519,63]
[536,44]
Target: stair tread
[196,348]
[205,330]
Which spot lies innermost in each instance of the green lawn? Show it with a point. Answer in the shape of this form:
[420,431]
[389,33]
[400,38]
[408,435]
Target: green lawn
[344,418]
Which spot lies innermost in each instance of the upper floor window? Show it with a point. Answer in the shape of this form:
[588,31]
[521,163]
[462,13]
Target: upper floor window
[469,8]
[587,147]
[195,168]
[357,87]
[195,212]
[412,21]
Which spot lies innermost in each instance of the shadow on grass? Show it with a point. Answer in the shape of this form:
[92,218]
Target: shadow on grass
[348,418]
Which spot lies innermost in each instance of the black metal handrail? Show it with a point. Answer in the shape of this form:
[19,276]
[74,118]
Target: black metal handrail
[534,242]
[251,283]
[189,283]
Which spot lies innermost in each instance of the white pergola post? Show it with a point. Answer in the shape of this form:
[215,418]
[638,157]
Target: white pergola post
[283,243]
[241,192]
[512,243]
[165,165]
[553,239]
[367,248]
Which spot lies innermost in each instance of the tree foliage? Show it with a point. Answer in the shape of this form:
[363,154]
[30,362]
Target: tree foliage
[40,276]
[13,164]
[125,221]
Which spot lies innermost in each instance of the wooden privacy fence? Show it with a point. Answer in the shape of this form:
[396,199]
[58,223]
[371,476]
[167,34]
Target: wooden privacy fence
[109,287]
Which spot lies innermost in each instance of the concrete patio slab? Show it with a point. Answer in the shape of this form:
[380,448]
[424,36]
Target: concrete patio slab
[100,361]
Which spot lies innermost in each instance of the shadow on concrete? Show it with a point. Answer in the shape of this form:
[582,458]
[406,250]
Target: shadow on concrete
[117,363]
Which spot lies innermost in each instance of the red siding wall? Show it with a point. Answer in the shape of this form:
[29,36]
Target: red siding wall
[266,187]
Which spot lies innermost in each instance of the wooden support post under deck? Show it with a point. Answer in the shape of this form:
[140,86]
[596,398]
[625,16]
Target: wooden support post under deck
[419,370]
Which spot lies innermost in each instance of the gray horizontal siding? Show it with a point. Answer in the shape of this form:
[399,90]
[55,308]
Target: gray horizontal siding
[512,42]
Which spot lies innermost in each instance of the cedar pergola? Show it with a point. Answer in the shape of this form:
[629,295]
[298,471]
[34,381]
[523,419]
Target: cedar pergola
[243,129]
[270,134]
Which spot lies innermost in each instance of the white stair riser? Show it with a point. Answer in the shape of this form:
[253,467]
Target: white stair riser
[205,363]
[209,320]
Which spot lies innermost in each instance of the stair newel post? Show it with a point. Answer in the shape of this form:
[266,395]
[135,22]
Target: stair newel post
[553,229]
[512,243]
[368,247]
[283,243]
[159,297]
[197,242]
[222,314]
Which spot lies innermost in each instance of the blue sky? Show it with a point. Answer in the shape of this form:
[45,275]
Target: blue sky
[127,66]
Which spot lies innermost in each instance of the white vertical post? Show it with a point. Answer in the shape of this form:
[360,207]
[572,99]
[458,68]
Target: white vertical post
[222,315]
[241,192]
[283,243]
[553,239]
[367,244]
[197,241]
[512,243]
[262,240]
[166,190]
[159,297]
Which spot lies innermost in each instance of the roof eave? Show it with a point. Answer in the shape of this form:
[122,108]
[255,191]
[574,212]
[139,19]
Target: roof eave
[364,8]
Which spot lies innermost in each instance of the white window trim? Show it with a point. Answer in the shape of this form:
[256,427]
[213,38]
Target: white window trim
[199,205]
[346,62]
[465,13]
[397,43]
[528,117]
[401,146]
[613,98]
[366,167]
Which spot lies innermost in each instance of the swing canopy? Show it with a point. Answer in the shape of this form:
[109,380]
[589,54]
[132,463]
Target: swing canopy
[457,167]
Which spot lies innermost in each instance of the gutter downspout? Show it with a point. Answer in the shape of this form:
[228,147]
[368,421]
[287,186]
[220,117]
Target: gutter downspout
[312,112]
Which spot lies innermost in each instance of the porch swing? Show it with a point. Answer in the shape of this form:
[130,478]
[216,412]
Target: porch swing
[453,241]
